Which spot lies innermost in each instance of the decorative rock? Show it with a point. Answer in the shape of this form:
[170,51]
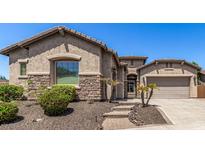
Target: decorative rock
[37,120]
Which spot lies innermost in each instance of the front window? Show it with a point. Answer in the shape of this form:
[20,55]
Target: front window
[22,69]
[67,72]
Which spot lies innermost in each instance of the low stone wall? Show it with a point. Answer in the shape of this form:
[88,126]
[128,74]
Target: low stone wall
[36,83]
[91,87]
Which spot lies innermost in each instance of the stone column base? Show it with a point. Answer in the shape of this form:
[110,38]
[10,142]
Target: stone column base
[91,87]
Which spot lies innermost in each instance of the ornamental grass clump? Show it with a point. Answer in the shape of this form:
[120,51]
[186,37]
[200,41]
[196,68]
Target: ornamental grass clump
[54,101]
[8,112]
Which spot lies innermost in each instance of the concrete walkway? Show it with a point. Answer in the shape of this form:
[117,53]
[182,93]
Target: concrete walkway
[118,117]
[183,113]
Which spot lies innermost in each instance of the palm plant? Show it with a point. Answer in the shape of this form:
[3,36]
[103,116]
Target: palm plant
[112,83]
[149,89]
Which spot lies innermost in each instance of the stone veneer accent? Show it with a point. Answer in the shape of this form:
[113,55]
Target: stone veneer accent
[35,82]
[91,87]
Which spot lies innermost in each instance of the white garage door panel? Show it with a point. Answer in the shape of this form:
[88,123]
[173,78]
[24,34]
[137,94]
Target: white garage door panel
[170,87]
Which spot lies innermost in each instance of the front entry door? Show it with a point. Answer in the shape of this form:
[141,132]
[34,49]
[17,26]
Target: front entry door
[131,88]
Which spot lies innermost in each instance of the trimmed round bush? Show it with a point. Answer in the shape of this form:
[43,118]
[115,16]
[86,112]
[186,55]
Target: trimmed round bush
[8,112]
[55,101]
[10,93]
[66,89]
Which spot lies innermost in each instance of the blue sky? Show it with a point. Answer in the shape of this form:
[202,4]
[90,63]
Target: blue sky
[181,41]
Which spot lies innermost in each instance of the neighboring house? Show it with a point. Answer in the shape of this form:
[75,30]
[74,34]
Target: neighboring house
[3,81]
[64,56]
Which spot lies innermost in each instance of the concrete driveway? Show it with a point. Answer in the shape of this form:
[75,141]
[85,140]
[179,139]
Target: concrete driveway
[183,113]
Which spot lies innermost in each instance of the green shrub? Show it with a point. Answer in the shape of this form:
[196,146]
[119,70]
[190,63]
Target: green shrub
[66,89]
[10,92]
[8,112]
[55,101]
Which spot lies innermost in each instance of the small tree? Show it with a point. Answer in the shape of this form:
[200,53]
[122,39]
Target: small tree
[113,84]
[2,77]
[146,89]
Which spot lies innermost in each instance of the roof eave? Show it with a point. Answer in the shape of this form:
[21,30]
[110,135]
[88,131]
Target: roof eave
[26,42]
[153,62]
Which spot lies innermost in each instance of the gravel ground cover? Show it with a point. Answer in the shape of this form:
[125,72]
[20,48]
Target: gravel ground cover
[147,115]
[79,116]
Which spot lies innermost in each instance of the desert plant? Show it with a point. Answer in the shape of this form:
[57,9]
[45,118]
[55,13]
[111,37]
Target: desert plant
[8,111]
[198,71]
[112,84]
[10,92]
[149,89]
[54,101]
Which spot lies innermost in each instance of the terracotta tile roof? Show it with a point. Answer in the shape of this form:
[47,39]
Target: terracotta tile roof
[49,32]
[169,60]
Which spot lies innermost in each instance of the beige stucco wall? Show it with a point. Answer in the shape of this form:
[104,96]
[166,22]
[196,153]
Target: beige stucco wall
[14,67]
[38,56]
[120,86]
[136,62]
[132,71]
[176,70]
[106,65]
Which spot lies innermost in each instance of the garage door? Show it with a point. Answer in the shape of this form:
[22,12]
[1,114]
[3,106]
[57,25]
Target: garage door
[171,87]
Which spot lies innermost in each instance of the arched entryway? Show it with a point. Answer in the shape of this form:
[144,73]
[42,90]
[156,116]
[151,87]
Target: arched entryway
[131,85]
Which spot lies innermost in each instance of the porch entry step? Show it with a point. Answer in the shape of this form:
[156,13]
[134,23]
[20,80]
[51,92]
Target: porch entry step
[116,114]
[128,103]
[123,108]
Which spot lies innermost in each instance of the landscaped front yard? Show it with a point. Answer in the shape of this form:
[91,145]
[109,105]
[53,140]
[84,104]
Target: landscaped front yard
[56,109]
[80,115]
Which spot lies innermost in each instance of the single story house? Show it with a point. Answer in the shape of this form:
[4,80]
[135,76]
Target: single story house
[64,56]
